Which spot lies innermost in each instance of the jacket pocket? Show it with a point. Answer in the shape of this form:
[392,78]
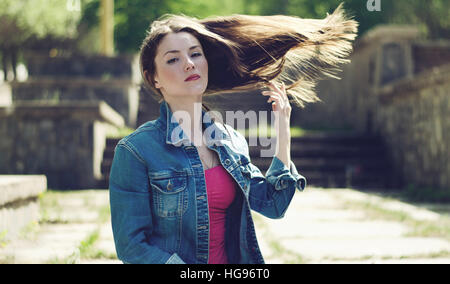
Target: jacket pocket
[170,198]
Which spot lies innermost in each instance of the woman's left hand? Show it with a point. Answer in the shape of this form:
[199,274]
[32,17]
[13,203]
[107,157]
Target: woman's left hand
[280,105]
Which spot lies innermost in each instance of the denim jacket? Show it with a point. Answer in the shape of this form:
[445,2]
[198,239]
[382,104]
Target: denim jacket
[159,206]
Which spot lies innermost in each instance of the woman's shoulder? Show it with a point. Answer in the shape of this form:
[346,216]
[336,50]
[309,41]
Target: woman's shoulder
[146,133]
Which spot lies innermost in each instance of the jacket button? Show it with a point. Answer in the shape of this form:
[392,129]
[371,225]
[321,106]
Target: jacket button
[227,162]
[169,186]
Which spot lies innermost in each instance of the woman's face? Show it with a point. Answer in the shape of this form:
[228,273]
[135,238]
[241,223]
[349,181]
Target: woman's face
[178,57]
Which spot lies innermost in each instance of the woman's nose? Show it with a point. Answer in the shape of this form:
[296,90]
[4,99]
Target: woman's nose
[189,65]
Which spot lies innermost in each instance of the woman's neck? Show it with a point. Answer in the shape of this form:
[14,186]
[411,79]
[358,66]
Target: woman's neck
[189,116]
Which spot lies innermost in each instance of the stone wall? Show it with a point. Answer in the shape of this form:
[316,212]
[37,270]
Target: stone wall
[414,119]
[397,86]
[382,55]
[64,141]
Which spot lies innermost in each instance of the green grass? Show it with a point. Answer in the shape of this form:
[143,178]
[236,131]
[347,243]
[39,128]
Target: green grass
[418,228]
[425,194]
[296,131]
[54,207]
[267,131]
[3,239]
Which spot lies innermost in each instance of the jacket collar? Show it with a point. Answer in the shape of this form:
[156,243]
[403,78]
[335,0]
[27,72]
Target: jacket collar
[215,133]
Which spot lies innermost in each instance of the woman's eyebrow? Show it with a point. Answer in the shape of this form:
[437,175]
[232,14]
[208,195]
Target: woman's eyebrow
[175,51]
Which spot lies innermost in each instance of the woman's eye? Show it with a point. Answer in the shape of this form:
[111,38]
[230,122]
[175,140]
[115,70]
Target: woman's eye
[172,60]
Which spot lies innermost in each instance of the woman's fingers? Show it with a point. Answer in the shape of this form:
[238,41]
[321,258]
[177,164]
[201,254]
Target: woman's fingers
[274,87]
[279,97]
[272,96]
[271,93]
[279,90]
[283,89]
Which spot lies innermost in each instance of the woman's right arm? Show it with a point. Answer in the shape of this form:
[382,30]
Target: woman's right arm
[131,215]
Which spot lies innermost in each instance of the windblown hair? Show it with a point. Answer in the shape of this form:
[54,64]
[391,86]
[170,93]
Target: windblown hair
[246,52]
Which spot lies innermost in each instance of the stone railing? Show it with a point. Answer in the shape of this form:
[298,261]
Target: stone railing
[19,207]
[64,141]
[120,94]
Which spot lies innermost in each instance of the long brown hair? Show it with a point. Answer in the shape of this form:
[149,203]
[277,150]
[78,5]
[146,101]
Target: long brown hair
[245,52]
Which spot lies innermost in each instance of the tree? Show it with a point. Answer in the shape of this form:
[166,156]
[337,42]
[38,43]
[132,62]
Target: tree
[132,18]
[430,15]
[23,20]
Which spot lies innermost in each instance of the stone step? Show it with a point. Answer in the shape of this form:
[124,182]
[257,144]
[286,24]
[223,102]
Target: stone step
[360,180]
[329,165]
[326,160]
[80,66]
[299,149]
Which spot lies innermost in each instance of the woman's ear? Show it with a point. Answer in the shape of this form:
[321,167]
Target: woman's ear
[149,79]
[157,85]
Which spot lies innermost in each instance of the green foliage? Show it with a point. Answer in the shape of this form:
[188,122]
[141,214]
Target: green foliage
[430,15]
[21,19]
[132,18]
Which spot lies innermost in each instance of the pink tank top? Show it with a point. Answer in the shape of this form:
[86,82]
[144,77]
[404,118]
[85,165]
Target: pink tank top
[220,188]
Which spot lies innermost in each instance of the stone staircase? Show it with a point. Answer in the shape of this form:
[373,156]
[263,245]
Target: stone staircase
[337,160]
[326,160]
[108,156]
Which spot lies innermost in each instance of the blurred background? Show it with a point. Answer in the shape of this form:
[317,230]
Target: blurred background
[70,88]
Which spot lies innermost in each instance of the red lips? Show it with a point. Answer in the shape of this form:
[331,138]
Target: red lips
[192,78]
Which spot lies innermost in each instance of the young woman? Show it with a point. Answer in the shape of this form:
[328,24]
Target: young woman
[179,195]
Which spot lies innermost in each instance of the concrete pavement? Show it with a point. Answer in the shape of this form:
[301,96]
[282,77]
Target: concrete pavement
[347,226]
[320,226]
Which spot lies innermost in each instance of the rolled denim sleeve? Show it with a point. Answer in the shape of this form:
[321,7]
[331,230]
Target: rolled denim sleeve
[131,211]
[281,177]
[271,194]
